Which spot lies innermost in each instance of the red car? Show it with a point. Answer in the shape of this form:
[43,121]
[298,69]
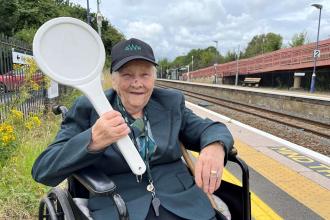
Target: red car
[12,80]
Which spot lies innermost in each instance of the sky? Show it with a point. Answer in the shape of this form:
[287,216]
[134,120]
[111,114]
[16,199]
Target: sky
[174,27]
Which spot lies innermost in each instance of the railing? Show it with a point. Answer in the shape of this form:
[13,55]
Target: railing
[285,59]
[12,78]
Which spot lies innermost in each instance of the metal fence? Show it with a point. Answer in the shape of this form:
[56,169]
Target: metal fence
[13,67]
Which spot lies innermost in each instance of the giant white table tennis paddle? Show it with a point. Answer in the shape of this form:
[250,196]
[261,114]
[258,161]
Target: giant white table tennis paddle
[71,53]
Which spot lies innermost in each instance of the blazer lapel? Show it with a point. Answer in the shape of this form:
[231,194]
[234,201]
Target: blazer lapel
[160,123]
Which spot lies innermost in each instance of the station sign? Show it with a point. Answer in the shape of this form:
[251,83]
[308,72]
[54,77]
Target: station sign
[299,74]
[99,18]
[316,53]
[20,58]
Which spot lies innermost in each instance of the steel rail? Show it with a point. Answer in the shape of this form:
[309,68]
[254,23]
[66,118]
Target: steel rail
[318,128]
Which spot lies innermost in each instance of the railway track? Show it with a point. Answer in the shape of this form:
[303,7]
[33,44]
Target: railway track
[317,128]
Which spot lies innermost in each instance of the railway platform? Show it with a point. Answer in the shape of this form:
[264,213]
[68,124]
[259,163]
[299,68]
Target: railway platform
[314,107]
[284,92]
[287,181]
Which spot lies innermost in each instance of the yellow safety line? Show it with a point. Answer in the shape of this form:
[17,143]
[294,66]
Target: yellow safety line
[304,190]
[260,210]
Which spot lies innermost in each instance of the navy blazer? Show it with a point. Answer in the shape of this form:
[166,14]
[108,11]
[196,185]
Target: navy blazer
[170,122]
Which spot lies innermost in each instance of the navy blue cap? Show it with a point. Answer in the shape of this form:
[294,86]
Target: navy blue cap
[128,50]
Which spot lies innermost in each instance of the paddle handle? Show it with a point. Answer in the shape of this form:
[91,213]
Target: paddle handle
[96,96]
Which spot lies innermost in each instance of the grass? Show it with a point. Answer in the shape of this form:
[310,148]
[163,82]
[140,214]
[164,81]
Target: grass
[106,80]
[19,193]
[68,98]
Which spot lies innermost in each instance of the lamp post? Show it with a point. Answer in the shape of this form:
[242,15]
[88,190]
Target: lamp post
[192,63]
[216,49]
[237,58]
[99,18]
[88,14]
[312,89]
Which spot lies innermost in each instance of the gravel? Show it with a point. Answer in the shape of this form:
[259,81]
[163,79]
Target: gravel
[294,135]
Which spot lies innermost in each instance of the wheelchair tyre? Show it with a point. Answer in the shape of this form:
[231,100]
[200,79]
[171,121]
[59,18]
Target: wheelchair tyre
[55,206]
[47,210]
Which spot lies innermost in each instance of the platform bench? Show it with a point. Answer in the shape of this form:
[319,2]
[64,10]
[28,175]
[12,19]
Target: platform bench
[251,81]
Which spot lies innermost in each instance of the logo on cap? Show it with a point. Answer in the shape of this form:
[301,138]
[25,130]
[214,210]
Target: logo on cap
[132,47]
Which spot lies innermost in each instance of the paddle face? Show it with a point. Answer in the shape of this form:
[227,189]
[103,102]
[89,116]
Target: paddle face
[69,51]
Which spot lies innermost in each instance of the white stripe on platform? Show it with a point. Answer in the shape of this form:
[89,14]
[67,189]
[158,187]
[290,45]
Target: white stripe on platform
[315,155]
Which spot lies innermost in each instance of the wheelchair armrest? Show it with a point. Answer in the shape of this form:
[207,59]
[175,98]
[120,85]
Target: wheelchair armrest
[95,181]
[100,184]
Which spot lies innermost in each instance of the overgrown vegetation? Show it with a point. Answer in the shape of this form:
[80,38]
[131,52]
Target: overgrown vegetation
[298,39]
[22,18]
[263,43]
[15,123]
[19,193]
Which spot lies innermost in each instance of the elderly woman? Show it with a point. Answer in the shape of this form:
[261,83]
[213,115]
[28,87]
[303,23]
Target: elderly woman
[156,120]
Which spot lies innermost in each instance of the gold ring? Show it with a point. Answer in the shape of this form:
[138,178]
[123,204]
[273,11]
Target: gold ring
[214,173]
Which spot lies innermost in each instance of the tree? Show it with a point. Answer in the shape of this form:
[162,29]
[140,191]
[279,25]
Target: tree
[261,44]
[202,58]
[110,36]
[163,66]
[26,35]
[22,18]
[8,17]
[298,39]
[230,56]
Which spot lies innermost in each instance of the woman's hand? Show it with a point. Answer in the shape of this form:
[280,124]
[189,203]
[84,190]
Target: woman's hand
[108,129]
[209,167]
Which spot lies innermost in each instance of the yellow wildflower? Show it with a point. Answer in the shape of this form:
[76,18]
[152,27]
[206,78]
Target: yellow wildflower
[6,128]
[34,85]
[16,114]
[17,66]
[28,125]
[32,66]
[36,120]
[7,134]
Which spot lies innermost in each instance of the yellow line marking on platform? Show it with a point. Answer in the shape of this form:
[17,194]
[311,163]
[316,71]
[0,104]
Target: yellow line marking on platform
[299,187]
[260,210]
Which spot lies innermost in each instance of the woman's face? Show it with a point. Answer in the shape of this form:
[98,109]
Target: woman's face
[134,84]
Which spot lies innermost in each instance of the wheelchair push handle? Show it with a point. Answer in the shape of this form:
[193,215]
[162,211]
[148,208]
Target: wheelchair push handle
[60,109]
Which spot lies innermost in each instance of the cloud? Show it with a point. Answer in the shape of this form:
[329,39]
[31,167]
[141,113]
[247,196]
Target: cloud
[173,27]
[144,30]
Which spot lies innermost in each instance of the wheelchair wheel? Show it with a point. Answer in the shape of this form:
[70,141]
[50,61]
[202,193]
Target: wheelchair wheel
[55,206]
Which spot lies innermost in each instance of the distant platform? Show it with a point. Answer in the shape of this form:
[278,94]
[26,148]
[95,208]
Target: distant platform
[312,106]
[295,93]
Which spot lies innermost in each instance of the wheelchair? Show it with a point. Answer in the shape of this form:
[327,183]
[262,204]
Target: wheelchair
[60,204]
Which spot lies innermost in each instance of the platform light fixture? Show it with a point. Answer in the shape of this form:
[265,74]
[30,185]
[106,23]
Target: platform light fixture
[312,88]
